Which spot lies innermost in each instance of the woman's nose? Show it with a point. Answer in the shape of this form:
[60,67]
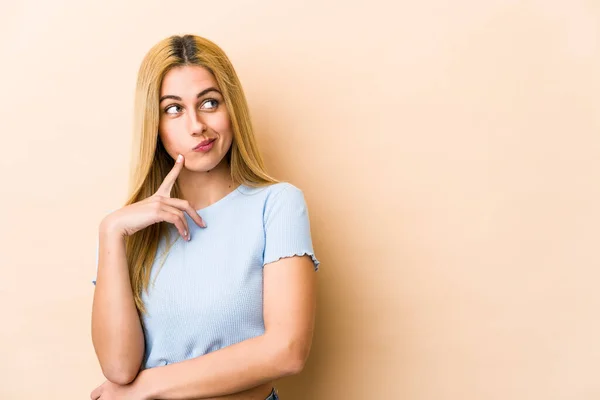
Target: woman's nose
[197,126]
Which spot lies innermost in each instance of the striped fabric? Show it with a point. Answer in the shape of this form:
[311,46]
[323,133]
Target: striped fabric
[209,294]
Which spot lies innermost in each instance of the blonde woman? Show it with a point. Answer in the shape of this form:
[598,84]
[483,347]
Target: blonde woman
[205,284]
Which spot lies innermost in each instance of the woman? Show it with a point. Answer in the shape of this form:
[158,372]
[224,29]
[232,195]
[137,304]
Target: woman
[227,308]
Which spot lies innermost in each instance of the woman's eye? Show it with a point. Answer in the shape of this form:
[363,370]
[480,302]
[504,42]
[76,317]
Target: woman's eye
[178,107]
[216,102]
[170,107]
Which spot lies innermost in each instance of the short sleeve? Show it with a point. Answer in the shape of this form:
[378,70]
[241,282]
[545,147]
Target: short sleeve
[287,226]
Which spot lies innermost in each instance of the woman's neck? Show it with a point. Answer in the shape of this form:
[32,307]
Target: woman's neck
[201,189]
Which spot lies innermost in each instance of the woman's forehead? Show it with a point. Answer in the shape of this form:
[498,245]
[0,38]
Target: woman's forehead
[187,80]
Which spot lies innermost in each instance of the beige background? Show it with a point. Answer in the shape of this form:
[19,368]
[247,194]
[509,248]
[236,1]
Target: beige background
[448,151]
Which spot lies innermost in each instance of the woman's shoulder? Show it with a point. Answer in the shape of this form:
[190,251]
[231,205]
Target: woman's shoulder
[272,195]
[271,190]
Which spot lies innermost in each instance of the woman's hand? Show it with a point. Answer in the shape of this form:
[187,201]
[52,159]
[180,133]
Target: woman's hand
[111,391]
[156,208]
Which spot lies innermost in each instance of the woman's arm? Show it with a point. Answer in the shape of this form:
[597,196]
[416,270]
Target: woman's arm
[116,328]
[289,308]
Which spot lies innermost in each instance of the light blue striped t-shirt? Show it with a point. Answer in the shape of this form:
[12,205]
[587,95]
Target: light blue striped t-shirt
[208,294]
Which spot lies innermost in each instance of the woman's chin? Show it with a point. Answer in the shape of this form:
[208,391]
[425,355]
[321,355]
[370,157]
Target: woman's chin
[204,164]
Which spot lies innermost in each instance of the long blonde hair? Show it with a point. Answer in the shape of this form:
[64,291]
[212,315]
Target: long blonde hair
[150,161]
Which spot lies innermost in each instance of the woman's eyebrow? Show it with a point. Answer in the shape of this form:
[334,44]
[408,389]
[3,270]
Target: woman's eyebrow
[202,93]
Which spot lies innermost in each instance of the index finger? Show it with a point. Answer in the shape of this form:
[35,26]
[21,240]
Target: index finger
[169,181]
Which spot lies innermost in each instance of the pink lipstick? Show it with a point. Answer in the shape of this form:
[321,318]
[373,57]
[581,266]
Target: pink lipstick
[205,145]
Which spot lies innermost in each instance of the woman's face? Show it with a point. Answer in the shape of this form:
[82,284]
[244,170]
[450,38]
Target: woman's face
[192,110]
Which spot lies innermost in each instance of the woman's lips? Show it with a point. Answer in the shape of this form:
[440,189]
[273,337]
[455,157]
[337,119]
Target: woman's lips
[205,145]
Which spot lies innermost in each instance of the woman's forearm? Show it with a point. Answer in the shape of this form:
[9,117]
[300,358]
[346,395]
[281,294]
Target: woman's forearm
[117,333]
[230,370]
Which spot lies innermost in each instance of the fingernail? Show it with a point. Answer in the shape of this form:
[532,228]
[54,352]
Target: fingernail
[179,158]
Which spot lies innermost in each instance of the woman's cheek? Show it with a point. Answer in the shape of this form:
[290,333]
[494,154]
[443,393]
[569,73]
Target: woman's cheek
[169,144]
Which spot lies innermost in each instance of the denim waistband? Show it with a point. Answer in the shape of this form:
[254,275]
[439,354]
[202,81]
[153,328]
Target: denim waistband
[273,395]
